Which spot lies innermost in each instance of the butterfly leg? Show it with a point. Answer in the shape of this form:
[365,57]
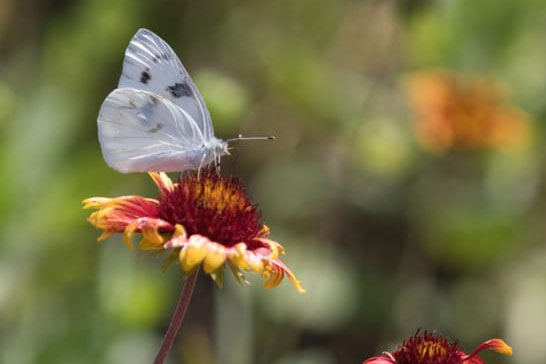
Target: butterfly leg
[200,166]
[218,165]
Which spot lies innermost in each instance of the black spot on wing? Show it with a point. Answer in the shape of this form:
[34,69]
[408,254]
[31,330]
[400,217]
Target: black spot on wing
[145,77]
[179,90]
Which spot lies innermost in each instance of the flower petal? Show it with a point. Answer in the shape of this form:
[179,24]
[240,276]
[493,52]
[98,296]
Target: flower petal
[474,360]
[497,345]
[149,227]
[215,257]
[163,182]
[383,359]
[105,235]
[95,202]
[193,252]
[178,239]
[275,247]
[115,214]
[140,206]
[275,273]
[237,255]
[272,277]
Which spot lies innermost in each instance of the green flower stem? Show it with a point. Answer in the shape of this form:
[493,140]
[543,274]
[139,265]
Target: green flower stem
[178,317]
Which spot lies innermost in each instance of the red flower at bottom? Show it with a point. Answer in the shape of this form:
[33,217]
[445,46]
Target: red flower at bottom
[207,220]
[428,348]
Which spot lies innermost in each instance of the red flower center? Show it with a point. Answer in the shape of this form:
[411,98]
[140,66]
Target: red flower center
[214,207]
[427,349]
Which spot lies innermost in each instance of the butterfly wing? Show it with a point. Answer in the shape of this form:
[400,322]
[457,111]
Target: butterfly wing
[140,131]
[151,65]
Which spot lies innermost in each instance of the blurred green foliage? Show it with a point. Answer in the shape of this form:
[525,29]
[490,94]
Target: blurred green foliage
[385,236]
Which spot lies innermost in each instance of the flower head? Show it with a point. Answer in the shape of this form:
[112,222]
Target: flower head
[207,220]
[428,348]
[464,114]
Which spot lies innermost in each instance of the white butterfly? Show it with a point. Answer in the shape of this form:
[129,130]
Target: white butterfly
[156,120]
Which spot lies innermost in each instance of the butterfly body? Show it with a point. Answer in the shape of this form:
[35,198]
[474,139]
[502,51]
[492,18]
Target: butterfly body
[156,120]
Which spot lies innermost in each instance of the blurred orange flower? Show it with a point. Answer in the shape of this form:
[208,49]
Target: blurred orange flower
[464,114]
[428,348]
[207,220]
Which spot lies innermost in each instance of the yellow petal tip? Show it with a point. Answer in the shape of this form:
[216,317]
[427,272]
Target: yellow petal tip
[502,347]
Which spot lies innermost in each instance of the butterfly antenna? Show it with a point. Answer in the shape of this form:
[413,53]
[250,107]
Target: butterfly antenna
[240,137]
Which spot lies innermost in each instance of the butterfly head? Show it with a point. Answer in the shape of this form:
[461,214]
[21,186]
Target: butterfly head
[218,147]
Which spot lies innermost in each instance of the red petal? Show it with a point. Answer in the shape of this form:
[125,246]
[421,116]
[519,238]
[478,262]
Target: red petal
[383,359]
[115,214]
[497,345]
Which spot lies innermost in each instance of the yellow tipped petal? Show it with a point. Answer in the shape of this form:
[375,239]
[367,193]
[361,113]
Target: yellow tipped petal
[179,231]
[254,262]
[105,235]
[275,272]
[178,238]
[507,350]
[264,231]
[295,282]
[216,256]
[499,346]
[194,252]
[94,202]
[237,256]
[128,235]
[151,234]
[97,218]
[162,181]
[275,247]
[271,277]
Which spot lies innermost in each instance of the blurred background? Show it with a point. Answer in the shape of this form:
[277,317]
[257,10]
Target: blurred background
[406,183]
